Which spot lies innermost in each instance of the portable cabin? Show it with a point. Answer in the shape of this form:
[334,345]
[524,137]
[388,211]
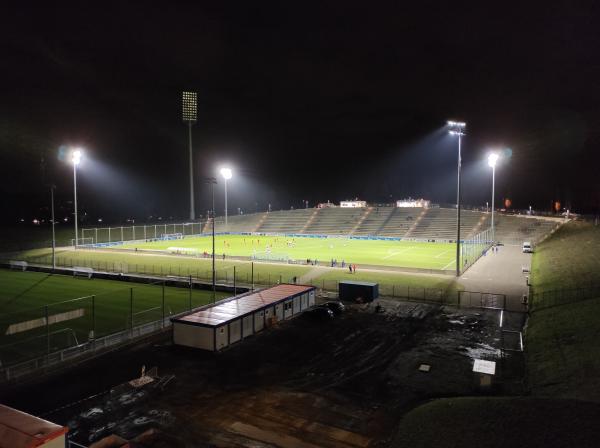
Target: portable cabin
[227,322]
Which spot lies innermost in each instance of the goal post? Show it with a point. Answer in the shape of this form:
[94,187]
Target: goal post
[83,242]
[171,236]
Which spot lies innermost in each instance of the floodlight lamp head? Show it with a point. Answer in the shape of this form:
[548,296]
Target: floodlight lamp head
[226,173]
[456,124]
[190,107]
[492,159]
[76,156]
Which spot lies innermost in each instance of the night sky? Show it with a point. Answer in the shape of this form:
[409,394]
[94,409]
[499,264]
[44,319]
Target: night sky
[328,102]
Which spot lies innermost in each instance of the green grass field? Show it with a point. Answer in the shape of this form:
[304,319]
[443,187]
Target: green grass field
[438,256]
[24,297]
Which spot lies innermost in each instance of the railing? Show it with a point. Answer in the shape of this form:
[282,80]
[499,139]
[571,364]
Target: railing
[558,297]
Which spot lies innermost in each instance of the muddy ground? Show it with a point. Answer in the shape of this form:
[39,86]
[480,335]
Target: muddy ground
[304,384]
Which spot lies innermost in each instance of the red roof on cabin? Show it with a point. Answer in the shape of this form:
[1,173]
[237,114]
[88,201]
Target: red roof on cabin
[233,309]
[21,430]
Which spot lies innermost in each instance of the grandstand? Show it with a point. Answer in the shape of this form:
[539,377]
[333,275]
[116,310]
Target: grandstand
[440,224]
[419,223]
[290,221]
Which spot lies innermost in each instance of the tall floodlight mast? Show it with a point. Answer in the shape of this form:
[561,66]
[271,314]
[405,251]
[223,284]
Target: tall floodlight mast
[227,174]
[190,109]
[458,128]
[492,160]
[76,155]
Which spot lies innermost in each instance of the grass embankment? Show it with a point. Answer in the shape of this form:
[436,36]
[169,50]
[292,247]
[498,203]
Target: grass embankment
[570,258]
[500,422]
[563,340]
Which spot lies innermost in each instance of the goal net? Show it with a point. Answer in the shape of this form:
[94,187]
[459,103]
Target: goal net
[86,242]
[267,256]
[171,236]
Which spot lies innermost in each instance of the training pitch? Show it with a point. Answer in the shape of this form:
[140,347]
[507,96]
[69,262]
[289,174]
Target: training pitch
[77,305]
[407,254]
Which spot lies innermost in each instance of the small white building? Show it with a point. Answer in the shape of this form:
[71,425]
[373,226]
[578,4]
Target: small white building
[230,321]
[353,204]
[21,430]
[412,203]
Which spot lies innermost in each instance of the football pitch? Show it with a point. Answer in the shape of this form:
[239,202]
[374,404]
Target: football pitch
[407,254]
[75,306]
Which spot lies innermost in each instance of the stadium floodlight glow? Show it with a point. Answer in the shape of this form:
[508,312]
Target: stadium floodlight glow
[76,156]
[457,128]
[190,115]
[492,159]
[227,174]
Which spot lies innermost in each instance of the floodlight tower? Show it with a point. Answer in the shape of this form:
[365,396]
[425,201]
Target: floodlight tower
[458,128]
[76,160]
[227,174]
[190,108]
[492,160]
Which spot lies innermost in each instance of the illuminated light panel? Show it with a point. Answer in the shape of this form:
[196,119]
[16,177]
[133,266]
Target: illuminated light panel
[190,106]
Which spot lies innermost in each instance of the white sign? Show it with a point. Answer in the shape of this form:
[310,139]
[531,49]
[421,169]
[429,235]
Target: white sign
[483,366]
[413,203]
[353,204]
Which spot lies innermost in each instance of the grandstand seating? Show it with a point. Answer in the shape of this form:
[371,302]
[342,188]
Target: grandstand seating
[335,221]
[400,221]
[420,223]
[288,221]
[373,221]
[512,229]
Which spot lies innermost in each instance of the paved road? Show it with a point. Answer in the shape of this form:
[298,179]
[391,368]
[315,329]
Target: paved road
[500,273]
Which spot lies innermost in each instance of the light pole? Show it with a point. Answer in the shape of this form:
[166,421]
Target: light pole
[458,129]
[492,159]
[53,232]
[212,181]
[190,107]
[226,173]
[76,160]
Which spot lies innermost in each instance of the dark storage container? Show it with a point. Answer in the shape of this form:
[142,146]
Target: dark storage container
[350,290]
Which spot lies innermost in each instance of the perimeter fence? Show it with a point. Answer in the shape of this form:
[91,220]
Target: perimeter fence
[558,297]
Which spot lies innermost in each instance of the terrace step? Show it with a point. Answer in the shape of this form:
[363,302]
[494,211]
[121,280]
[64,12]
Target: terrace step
[310,220]
[361,220]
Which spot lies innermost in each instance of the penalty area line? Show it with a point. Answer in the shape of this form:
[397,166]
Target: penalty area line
[449,264]
[397,253]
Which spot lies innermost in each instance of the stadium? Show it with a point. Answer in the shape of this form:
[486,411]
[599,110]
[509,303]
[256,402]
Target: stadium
[253,226]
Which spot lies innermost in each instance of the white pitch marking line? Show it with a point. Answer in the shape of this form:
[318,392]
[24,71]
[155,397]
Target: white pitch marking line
[442,253]
[397,253]
[444,268]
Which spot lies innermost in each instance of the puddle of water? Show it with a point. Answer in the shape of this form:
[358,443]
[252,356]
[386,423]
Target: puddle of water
[481,351]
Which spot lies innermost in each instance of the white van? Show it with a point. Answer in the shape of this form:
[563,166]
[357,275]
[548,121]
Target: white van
[527,247]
